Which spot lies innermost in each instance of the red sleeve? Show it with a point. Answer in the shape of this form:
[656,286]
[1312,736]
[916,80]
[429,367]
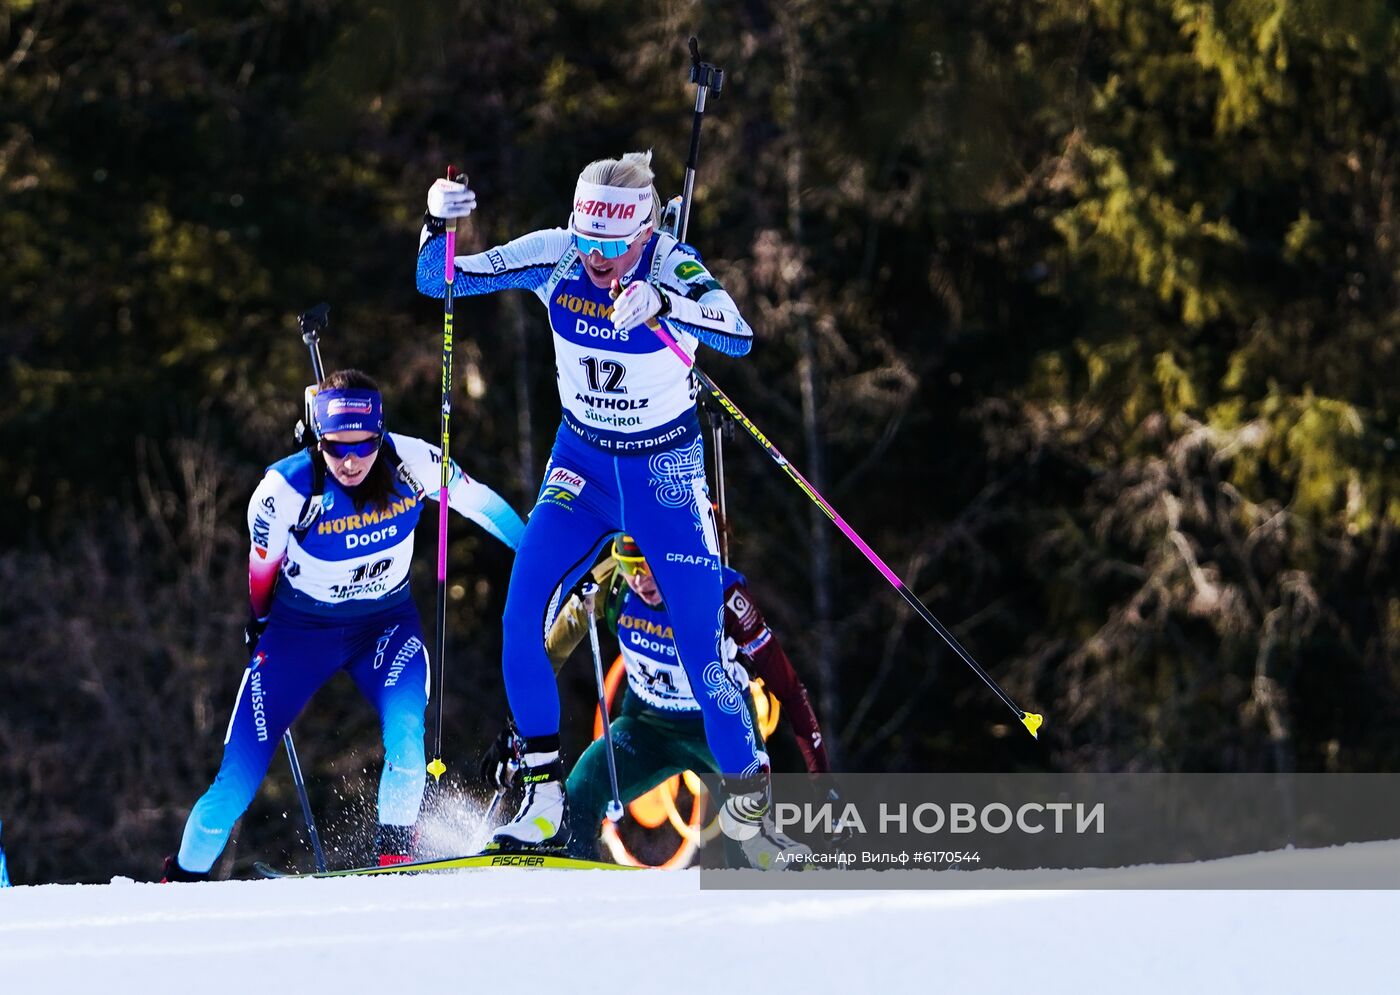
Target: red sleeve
[262,579]
[744,623]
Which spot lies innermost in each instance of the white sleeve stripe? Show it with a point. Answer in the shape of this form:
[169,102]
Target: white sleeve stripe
[721,316]
[238,700]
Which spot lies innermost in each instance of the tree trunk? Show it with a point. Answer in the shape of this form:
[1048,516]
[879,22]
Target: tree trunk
[818,526]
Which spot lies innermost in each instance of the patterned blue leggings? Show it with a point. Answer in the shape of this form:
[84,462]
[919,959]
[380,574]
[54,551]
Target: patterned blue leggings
[661,500]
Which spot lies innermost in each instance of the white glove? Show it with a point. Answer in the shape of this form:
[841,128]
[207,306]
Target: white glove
[638,304]
[736,670]
[448,199]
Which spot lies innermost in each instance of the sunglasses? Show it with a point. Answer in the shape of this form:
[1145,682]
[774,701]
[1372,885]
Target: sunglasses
[359,450]
[608,248]
[632,566]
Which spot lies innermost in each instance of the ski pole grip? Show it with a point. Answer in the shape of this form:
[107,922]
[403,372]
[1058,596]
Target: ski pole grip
[450,257]
[453,224]
[705,75]
[312,322]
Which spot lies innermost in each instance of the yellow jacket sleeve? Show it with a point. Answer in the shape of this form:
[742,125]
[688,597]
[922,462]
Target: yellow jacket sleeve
[571,624]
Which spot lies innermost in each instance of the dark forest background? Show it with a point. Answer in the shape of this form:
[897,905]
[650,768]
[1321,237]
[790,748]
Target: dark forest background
[1082,312]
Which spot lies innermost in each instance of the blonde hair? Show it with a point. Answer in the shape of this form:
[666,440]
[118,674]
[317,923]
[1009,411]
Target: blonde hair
[632,170]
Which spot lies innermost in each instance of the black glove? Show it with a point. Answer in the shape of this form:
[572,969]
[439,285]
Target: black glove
[252,632]
[502,759]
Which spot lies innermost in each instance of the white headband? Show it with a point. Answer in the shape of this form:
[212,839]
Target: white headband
[609,212]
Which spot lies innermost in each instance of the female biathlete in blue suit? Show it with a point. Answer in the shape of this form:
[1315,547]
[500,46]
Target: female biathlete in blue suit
[332,540]
[628,457]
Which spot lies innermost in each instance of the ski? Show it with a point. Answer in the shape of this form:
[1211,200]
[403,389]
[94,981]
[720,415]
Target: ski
[472,862]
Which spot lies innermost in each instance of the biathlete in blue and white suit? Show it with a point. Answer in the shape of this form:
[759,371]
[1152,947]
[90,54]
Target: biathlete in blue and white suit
[332,541]
[628,457]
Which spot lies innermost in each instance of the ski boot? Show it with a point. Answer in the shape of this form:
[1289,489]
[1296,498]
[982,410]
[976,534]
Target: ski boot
[395,844]
[753,840]
[172,872]
[543,820]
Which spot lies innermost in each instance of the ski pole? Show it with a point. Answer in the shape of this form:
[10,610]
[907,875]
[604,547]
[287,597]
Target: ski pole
[491,809]
[1030,720]
[589,590]
[721,509]
[675,217]
[707,76]
[311,324]
[305,801]
[436,767]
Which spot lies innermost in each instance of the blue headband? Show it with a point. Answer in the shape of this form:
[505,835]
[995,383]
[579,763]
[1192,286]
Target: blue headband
[347,409]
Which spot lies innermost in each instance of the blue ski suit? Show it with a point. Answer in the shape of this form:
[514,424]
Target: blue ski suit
[628,457]
[338,588]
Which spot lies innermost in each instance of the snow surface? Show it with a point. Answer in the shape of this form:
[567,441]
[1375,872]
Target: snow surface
[516,931]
